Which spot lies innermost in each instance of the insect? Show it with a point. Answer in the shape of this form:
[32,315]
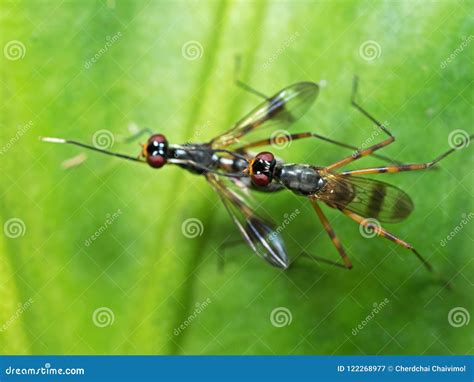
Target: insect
[361,199]
[223,159]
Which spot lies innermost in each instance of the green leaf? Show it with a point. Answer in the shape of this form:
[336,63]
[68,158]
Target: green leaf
[101,250]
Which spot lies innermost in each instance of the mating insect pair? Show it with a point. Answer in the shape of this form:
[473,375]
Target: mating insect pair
[225,162]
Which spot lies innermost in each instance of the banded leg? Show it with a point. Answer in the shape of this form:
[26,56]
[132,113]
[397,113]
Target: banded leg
[268,141]
[405,167]
[368,151]
[382,232]
[332,235]
[360,154]
[294,137]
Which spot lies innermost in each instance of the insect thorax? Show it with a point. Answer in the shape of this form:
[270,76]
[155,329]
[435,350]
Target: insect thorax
[301,179]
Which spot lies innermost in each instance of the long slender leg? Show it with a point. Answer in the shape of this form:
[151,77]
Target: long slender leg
[332,235]
[294,137]
[355,87]
[137,135]
[221,252]
[405,167]
[243,85]
[318,259]
[362,153]
[268,141]
[384,233]
[250,89]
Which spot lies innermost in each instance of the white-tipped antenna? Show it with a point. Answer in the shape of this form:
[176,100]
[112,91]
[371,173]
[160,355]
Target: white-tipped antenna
[53,140]
[90,147]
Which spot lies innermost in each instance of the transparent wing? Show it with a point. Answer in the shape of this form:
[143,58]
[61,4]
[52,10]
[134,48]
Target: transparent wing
[284,108]
[257,232]
[367,197]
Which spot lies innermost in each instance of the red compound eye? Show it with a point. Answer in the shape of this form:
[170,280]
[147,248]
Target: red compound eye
[156,151]
[265,156]
[261,169]
[158,138]
[156,161]
[261,180]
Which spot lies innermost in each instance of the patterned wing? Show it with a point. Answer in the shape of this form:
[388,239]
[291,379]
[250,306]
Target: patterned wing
[257,232]
[367,197]
[284,108]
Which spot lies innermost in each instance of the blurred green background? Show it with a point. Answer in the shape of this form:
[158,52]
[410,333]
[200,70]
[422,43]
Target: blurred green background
[71,69]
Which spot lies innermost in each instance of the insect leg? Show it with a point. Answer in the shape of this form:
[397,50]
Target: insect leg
[384,233]
[221,252]
[294,137]
[355,86]
[332,235]
[243,85]
[138,134]
[318,259]
[362,153]
[405,167]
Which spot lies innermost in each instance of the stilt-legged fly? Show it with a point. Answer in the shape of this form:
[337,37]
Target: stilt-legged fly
[223,160]
[359,198]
